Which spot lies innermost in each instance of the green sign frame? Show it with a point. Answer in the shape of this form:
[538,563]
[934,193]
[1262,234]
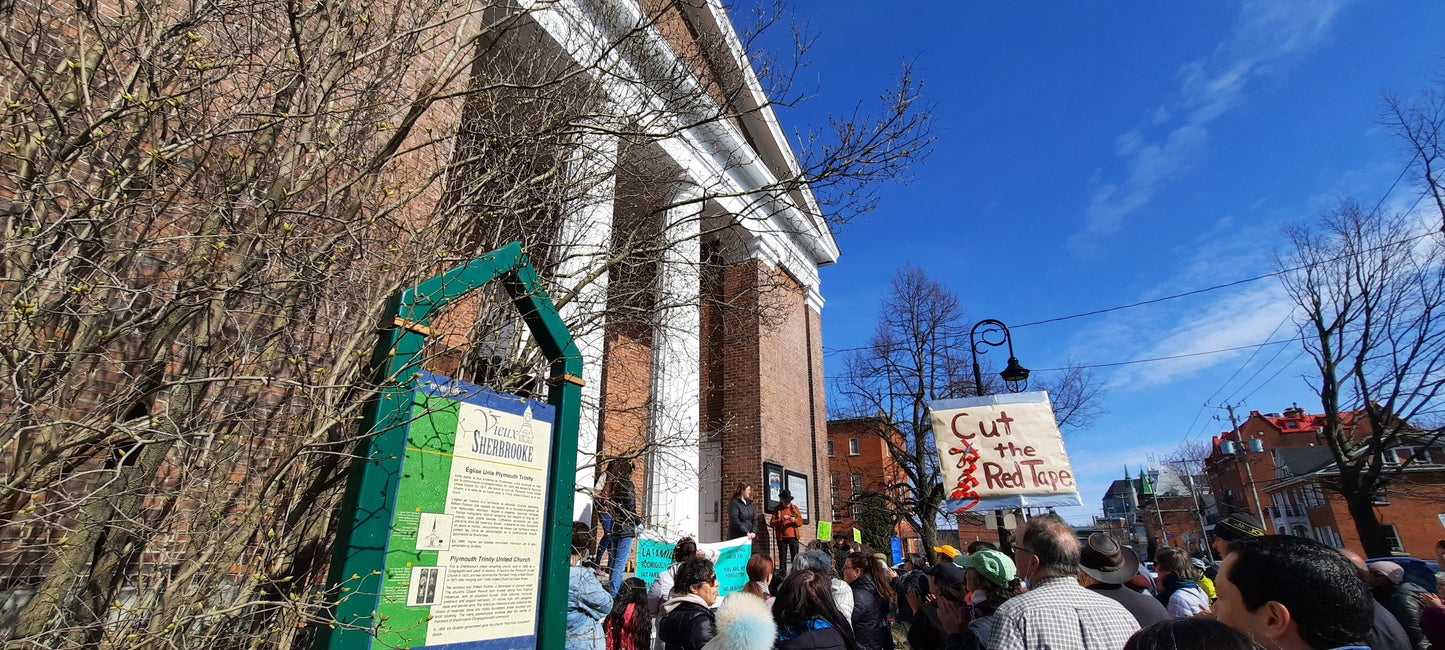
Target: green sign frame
[370,501]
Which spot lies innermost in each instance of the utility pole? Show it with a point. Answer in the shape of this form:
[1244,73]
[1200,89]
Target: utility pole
[1248,473]
[1198,508]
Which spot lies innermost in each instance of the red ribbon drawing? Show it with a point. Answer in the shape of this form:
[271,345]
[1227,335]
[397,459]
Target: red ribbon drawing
[967,461]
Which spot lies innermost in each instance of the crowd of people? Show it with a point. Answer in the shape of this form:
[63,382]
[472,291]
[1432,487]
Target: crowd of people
[1051,590]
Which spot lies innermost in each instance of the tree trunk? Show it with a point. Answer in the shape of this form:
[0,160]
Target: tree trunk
[1372,534]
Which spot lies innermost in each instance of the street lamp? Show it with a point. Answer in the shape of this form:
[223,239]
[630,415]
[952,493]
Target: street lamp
[1014,375]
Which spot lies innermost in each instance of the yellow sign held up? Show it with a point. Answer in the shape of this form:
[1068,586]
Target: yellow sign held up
[825,530]
[858,535]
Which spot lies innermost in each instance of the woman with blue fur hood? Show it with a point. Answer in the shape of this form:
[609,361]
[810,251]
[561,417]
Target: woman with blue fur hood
[744,622]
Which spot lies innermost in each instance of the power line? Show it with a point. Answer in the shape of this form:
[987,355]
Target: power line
[1245,385]
[1276,374]
[1149,360]
[1172,356]
[1189,431]
[1227,284]
[830,351]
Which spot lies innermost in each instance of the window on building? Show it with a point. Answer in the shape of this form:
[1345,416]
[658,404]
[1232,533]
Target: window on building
[852,446]
[857,484]
[1402,455]
[830,448]
[1392,536]
[857,511]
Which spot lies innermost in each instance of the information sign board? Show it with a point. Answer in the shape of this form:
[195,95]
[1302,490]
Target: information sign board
[464,558]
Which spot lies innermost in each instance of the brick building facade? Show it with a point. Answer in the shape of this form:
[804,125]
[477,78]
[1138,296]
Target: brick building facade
[1236,487]
[1292,473]
[702,351]
[1412,509]
[859,464]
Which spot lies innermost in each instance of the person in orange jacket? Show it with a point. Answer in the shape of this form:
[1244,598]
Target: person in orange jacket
[786,519]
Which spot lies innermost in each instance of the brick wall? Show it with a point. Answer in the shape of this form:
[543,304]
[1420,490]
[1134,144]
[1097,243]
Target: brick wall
[1414,506]
[759,338]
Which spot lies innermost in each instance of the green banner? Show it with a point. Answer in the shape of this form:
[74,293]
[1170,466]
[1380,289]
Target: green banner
[825,530]
[730,561]
[652,558]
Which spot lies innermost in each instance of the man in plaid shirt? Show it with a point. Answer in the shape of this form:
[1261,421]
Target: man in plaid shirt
[1056,613]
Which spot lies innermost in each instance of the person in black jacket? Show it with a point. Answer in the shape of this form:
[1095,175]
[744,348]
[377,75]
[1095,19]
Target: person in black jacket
[742,516]
[621,504]
[806,616]
[911,579]
[871,596]
[688,621]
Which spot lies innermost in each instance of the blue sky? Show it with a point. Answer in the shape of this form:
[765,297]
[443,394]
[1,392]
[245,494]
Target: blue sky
[1103,153]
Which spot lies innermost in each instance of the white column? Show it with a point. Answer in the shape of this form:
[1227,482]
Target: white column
[674,422]
[584,242]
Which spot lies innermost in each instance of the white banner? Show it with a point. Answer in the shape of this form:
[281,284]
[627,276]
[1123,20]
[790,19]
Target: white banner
[1002,451]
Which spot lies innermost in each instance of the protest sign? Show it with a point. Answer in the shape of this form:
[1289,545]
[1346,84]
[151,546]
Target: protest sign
[652,557]
[858,535]
[825,530]
[1002,451]
[896,546]
[730,561]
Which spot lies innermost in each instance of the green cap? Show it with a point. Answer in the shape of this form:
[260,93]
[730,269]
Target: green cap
[993,565]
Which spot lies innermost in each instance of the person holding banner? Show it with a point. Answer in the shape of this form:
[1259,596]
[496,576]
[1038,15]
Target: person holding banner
[661,590]
[787,518]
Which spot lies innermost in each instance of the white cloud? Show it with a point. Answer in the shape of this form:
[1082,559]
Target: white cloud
[1242,319]
[1160,149]
[1232,317]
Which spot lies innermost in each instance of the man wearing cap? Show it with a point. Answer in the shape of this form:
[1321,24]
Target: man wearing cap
[787,518]
[992,581]
[1205,582]
[943,623]
[1387,633]
[1233,528]
[1400,596]
[944,554]
[1106,566]
[1056,612]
